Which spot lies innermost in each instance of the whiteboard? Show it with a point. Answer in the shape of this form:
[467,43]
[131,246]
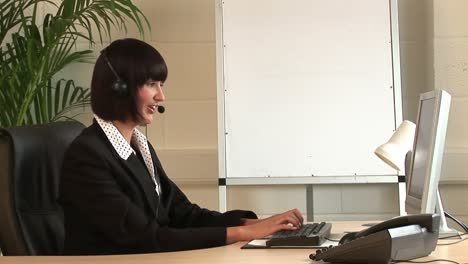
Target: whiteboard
[308,87]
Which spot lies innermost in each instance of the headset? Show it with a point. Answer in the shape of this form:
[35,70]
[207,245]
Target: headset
[119,87]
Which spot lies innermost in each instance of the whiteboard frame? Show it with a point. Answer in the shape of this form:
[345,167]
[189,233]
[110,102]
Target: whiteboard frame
[223,181]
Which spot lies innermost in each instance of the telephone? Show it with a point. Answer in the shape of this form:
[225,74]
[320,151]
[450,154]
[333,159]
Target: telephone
[400,238]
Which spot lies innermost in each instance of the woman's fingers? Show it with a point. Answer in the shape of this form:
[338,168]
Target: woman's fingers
[285,227]
[293,216]
[278,227]
[290,219]
[298,215]
[285,218]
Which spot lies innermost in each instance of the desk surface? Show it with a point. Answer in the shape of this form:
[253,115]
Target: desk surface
[231,254]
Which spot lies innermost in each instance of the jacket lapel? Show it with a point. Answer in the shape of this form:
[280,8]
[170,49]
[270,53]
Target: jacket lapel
[141,175]
[137,171]
[167,191]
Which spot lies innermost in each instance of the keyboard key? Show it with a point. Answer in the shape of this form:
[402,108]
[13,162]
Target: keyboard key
[312,234]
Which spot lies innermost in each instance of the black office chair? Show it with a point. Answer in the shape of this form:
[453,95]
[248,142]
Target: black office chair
[31,220]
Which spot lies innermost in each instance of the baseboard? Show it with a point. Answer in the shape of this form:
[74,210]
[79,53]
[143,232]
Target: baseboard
[196,181]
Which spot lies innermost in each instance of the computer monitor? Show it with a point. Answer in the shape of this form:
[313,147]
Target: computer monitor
[422,194]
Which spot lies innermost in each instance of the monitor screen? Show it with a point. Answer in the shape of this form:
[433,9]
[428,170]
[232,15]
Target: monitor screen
[421,150]
[427,154]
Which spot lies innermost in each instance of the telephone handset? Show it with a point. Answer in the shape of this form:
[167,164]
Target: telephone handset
[423,220]
[400,238]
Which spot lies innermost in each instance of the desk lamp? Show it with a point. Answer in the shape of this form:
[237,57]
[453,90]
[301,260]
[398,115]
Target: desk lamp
[396,152]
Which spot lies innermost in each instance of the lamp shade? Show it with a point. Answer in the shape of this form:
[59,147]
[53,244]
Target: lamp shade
[394,151]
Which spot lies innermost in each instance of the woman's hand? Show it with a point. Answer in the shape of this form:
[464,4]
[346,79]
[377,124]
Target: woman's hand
[259,228]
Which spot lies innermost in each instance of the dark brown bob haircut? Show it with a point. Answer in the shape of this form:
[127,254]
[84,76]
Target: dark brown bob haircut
[135,63]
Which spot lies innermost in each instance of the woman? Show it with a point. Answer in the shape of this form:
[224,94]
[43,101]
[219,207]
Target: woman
[115,194]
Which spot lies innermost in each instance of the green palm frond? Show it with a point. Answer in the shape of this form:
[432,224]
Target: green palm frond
[52,104]
[12,14]
[39,50]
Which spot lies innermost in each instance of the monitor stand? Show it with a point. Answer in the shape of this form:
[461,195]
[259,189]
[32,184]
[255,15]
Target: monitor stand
[444,230]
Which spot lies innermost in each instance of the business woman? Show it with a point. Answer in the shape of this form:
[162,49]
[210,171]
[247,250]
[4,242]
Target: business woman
[116,197]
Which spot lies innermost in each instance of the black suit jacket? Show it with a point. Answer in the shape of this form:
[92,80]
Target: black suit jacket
[111,206]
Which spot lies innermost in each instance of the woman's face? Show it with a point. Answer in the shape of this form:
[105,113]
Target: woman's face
[149,97]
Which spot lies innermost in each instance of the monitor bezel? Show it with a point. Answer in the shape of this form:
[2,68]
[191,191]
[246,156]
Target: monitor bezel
[427,203]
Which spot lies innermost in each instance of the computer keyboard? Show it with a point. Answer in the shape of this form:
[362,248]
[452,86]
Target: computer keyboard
[313,234]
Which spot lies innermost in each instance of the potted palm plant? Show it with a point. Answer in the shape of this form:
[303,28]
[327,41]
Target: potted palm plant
[36,46]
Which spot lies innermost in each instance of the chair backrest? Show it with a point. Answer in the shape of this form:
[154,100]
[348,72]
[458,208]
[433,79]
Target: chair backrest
[31,220]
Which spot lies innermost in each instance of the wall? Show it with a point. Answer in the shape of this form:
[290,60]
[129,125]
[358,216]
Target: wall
[433,50]
[416,52]
[451,74]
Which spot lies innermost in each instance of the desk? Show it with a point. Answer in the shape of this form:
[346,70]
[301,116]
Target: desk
[231,254]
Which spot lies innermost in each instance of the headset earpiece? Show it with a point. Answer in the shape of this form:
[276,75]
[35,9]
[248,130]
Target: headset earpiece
[119,87]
